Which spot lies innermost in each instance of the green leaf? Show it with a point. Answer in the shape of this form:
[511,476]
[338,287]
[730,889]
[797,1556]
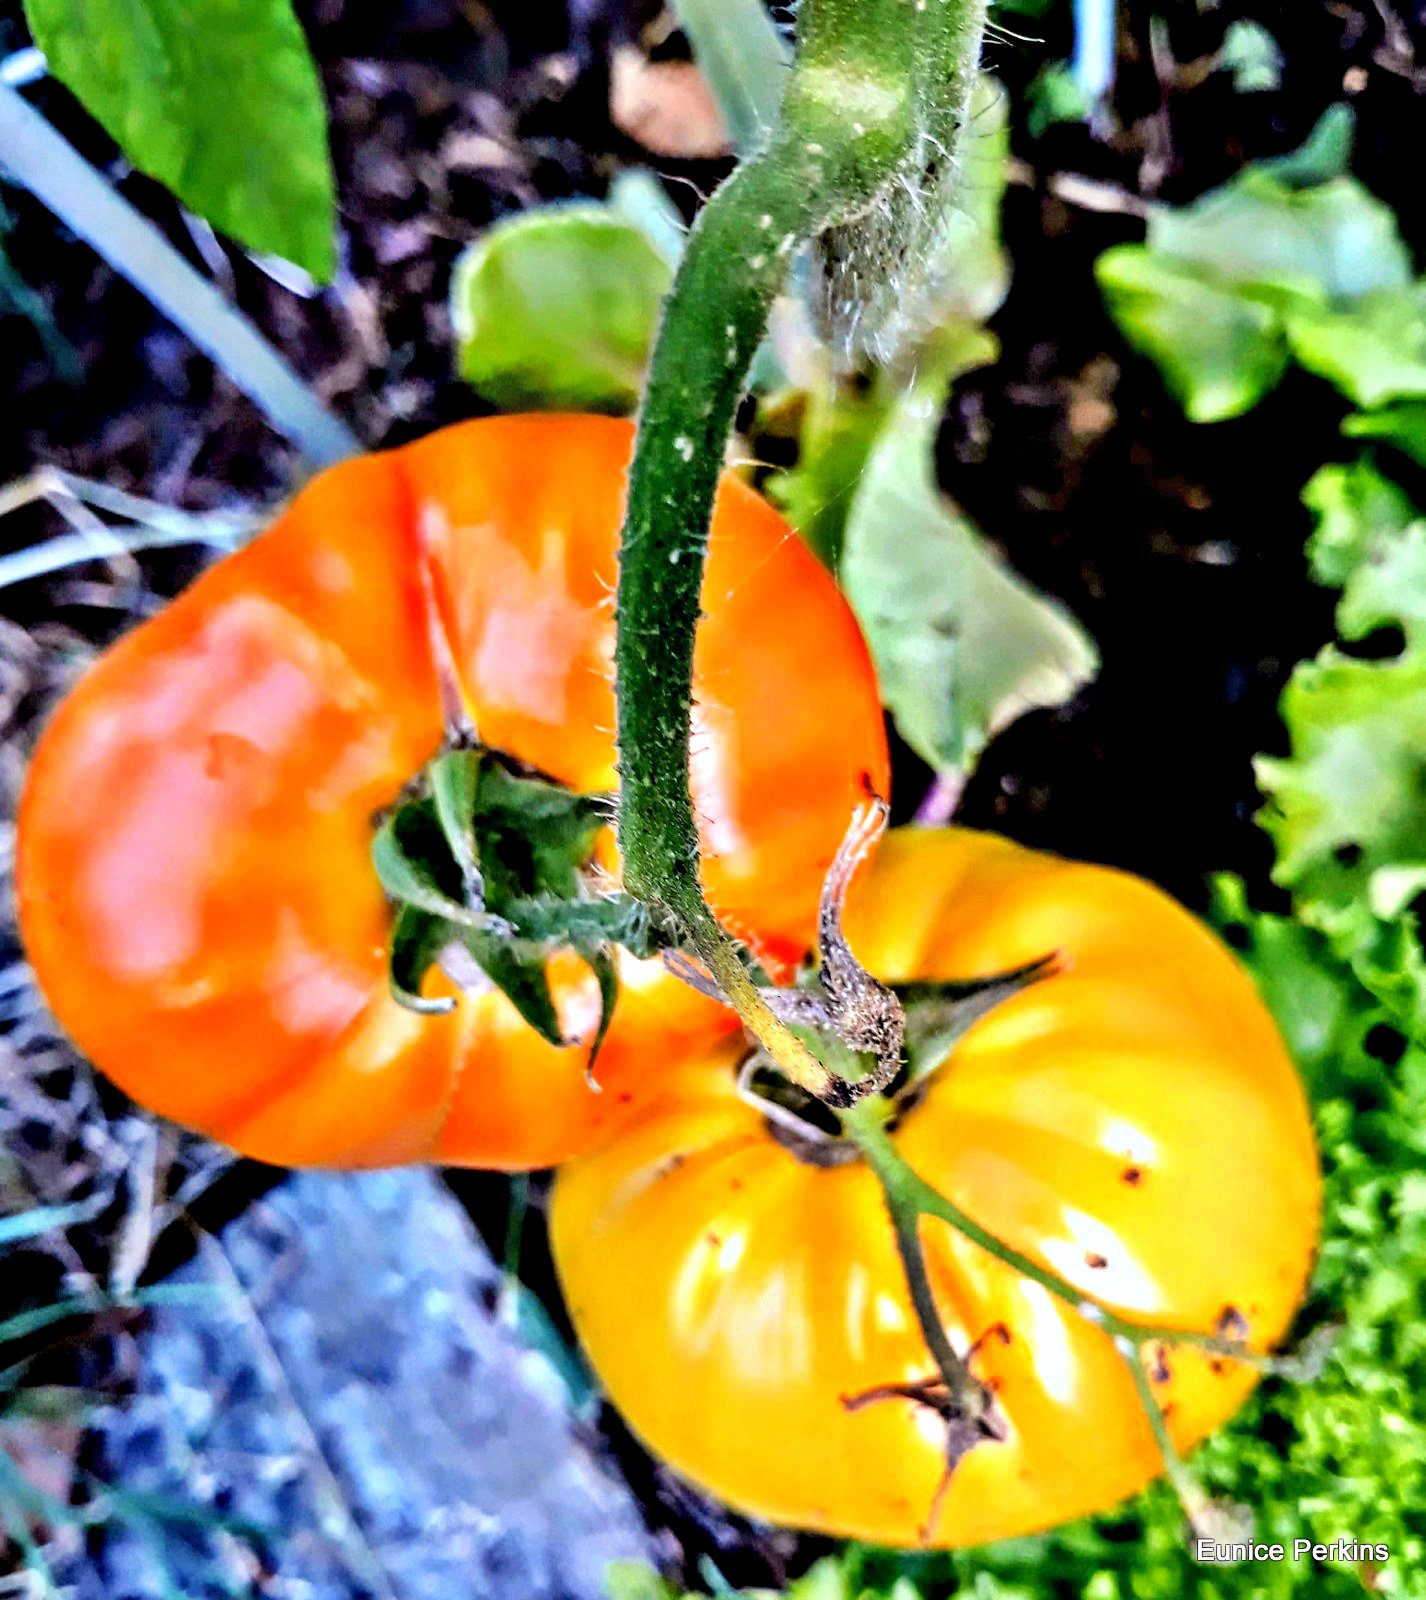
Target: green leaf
[839,427]
[558,308]
[1252,55]
[637,197]
[1258,228]
[1402,425]
[552,923]
[221,102]
[1369,543]
[1326,153]
[968,273]
[1389,587]
[962,645]
[519,845]
[745,62]
[1374,351]
[1356,509]
[635,1580]
[606,971]
[1347,814]
[1053,97]
[1286,248]
[1218,349]
[557,828]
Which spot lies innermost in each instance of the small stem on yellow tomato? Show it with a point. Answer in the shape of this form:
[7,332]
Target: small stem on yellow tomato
[909,1196]
[1190,1493]
[967,1395]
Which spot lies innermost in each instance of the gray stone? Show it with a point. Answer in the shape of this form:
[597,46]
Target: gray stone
[353,1389]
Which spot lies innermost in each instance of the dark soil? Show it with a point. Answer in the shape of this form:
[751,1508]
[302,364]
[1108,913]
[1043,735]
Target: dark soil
[1179,546]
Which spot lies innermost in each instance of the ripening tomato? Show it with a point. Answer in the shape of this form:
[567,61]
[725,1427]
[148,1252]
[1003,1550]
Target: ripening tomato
[1131,1122]
[193,869]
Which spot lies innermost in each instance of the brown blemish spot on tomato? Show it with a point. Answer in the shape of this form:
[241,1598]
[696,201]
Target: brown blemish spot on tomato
[1096,1261]
[735,1184]
[1218,1366]
[1133,1176]
[670,1164]
[1231,1324]
[1167,1409]
[1160,1372]
[626,1098]
[712,1239]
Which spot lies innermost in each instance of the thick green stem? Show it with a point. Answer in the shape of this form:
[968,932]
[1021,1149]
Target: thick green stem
[849,127]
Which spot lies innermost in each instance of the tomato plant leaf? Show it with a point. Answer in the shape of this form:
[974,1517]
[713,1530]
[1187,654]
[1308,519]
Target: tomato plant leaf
[963,645]
[221,103]
[557,829]
[558,308]
[495,862]
[605,968]
[408,854]
[552,923]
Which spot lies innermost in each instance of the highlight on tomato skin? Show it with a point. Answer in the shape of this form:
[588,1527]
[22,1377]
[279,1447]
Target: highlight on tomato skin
[193,871]
[1132,1122]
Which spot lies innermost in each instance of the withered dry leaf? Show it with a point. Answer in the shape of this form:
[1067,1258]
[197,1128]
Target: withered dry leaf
[666,106]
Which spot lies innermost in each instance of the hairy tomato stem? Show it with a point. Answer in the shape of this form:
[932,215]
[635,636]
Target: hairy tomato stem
[869,77]
[866,1123]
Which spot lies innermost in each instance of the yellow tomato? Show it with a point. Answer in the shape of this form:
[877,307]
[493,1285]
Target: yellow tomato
[1133,1123]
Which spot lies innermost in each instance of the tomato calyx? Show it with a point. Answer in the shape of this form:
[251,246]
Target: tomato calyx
[938,1015]
[492,871]
[969,1417]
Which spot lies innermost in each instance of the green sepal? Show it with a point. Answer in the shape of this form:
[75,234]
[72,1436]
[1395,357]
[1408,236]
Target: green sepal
[416,869]
[495,861]
[602,964]
[416,942]
[555,924]
[455,790]
[521,979]
[939,1015]
[548,832]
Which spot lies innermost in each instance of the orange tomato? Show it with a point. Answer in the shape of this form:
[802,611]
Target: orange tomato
[1132,1123]
[193,863]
